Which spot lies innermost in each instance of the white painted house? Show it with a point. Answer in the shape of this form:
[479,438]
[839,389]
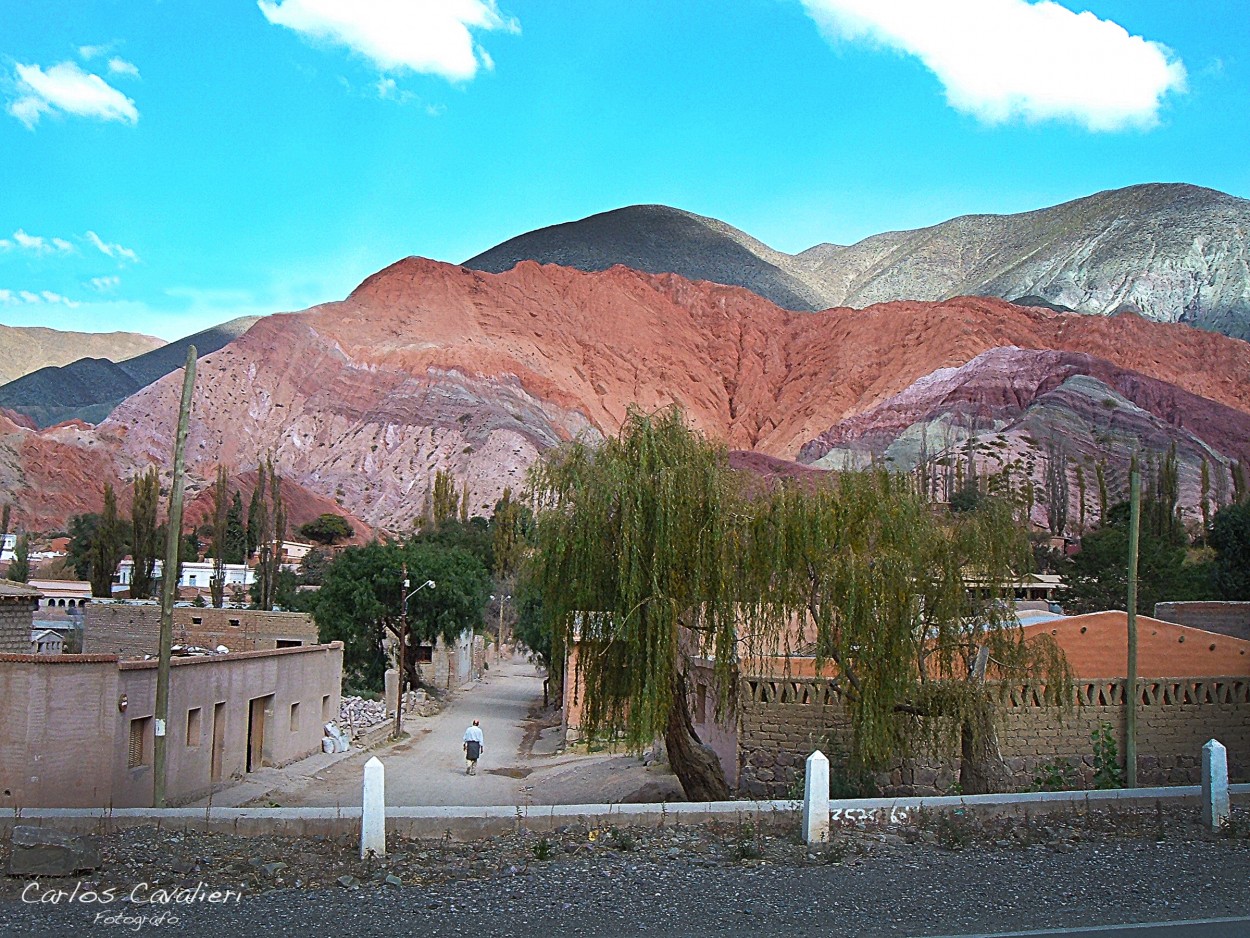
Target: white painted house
[198,573]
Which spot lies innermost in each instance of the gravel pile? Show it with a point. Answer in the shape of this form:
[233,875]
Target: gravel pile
[940,874]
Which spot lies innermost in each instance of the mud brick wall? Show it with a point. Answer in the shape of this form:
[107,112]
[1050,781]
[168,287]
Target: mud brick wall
[781,721]
[1228,618]
[133,629]
[16,616]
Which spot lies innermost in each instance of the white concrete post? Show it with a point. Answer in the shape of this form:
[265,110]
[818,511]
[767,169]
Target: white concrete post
[816,799]
[390,689]
[373,814]
[1214,784]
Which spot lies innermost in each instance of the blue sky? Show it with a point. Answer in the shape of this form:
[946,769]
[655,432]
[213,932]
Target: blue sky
[168,165]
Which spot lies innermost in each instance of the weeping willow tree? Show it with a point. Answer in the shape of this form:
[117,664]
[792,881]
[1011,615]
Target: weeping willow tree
[907,607]
[638,549]
[650,552]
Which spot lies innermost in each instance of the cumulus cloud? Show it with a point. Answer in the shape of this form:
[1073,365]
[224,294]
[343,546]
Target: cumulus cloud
[112,250]
[431,37]
[90,52]
[67,89]
[105,284]
[1005,59]
[30,298]
[119,66]
[36,244]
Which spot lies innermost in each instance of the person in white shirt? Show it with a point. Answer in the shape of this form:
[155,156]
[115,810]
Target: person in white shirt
[473,747]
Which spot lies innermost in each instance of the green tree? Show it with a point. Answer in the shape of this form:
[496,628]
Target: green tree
[1097,576]
[444,502]
[326,529]
[19,566]
[236,532]
[360,601]
[649,551]
[312,569]
[221,533]
[143,543]
[107,546]
[1230,536]
[82,531]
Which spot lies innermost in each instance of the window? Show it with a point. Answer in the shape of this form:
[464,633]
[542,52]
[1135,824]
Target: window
[197,620]
[700,703]
[140,748]
[193,726]
[193,579]
[234,623]
[425,653]
[294,717]
[326,714]
[287,643]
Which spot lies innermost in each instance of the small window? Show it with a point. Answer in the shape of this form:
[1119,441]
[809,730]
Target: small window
[193,579]
[326,714]
[193,726]
[140,750]
[234,623]
[425,653]
[197,620]
[294,717]
[700,703]
[287,643]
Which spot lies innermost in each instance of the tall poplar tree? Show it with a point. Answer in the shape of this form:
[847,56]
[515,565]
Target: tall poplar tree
[144,545]
[107,546]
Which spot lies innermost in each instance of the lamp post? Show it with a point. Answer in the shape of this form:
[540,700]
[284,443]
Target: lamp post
[403,650]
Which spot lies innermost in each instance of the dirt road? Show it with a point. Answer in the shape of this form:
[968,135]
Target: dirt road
[518,764]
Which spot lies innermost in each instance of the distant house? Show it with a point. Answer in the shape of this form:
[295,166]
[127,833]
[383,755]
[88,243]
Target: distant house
[46,642]
[197,574]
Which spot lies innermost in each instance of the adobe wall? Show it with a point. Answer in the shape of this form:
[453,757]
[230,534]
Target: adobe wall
[57,717]
[309,677]
[132,630]
[64,737]
[16,616]
[781,721]
[1229,618]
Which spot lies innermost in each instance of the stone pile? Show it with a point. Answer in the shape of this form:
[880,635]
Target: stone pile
[360,714]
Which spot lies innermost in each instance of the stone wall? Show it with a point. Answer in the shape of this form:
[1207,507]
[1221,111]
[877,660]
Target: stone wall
[781,721]
[16,616]
[1227,618]
[132,629]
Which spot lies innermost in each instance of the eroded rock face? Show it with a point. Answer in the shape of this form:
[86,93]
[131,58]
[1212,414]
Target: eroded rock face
[429,366]
[1171,252]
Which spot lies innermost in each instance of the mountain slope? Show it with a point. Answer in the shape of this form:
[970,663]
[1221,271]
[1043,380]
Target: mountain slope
[1172,252]
[658,239]
[24,349]
[89,388]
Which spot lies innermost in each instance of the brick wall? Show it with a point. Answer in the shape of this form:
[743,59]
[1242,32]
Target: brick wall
[1227,618]
[133,629]
[16,616]
[781,721]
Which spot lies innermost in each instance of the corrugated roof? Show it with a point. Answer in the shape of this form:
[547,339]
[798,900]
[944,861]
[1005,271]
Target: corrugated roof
[10,589]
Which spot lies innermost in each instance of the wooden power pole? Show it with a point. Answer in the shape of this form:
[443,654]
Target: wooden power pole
[1130,684]
[169,584]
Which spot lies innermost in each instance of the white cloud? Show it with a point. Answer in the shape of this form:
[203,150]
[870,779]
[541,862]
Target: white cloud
[105,284]
[90,52]
[112,250]
[119,66]
[428,36]
[1005,59]
[67,88]
[36,244]
[29,298]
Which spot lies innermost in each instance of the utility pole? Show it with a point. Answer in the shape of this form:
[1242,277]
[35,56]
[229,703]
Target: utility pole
[403,647]
[403,657]
[169,584]
[1130,684]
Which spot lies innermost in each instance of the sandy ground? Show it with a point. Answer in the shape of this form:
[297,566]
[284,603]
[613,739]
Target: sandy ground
[520,763]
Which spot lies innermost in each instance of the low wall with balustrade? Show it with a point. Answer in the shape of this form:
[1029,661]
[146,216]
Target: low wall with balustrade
[781,720]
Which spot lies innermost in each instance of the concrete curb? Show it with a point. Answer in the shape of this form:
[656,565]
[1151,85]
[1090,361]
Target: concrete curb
[474,822]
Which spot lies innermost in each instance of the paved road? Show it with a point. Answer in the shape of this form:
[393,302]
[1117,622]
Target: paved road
[1192,928]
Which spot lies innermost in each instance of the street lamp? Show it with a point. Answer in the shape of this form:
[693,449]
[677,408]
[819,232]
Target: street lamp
[403,649]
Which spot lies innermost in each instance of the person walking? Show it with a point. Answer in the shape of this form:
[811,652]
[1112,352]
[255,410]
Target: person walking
[473,747]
